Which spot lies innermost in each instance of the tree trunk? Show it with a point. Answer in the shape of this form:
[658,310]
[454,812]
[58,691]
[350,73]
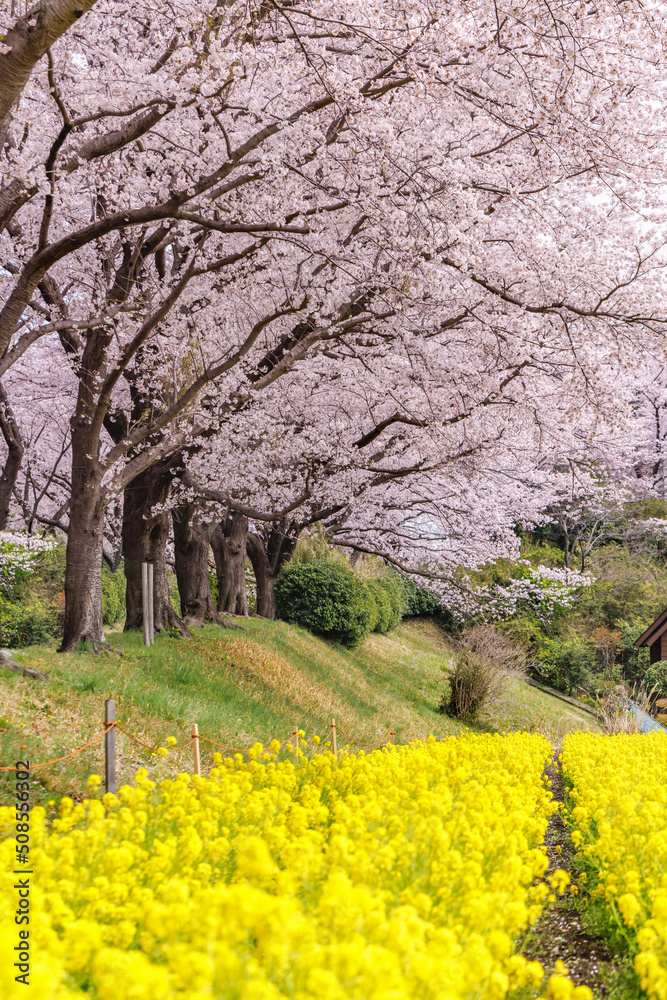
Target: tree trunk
[268,552]
[12,435]
[83,572]
[228,541]
[191,546]
[266,601]
[145,537]
[83,579]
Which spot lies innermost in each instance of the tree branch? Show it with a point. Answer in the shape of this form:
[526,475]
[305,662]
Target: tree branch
[28,41]
[191,483]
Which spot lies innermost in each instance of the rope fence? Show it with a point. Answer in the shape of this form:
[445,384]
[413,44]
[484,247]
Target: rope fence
[111,725]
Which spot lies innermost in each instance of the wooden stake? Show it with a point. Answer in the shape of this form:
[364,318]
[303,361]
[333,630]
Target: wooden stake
[333,737]
[295,737]
[195,749]
[110,746]
[151,627]
[144,603]
[391,736]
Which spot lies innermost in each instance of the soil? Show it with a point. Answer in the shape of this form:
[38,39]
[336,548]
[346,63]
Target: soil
[558,934]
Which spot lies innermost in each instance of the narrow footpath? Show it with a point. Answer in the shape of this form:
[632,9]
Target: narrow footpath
[558,934]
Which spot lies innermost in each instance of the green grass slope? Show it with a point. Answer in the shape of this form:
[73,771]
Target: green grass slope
[240,685]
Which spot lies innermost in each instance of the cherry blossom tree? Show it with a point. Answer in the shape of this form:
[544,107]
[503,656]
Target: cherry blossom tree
[460,203]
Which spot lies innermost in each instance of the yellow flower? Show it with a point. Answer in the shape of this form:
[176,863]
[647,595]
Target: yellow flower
[630,908]
[559,880]
[266,880]
[94,781]
[171,741]
[618,823]
[162,752]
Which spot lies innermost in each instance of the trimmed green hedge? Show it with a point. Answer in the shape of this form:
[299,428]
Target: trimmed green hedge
[382,614]
[326,598]
[387,594]
[330,600]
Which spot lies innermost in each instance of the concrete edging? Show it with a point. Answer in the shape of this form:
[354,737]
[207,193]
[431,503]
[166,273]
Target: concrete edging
[562,697]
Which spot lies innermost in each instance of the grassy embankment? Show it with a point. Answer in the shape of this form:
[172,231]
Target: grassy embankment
[239,686]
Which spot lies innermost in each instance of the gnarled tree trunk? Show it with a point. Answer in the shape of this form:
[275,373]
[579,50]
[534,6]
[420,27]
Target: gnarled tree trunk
[228,541]
[145,537]
[268,552]
[191,544]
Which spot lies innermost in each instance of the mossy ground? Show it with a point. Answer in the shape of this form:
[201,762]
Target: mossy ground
[239,686]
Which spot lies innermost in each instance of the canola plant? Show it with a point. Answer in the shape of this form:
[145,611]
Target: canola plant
[404,874]
[618,819]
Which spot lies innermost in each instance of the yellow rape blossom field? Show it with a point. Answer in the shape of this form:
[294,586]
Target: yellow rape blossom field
[618,818]
[404,874]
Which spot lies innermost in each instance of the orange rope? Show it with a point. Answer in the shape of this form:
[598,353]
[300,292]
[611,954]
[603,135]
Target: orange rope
[136,740]
[58,759]
[380,743]
[198,736]
[147,745]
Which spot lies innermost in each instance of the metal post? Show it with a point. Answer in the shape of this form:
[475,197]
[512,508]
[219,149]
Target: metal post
[144,603]
[195,749]
[110,746]
[151,627]
[333,737]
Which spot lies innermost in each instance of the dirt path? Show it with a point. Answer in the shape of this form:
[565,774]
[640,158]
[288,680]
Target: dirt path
[558,934]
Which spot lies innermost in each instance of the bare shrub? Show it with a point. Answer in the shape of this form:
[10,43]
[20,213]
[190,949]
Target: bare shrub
[484,661]
[616,714]
[489,644]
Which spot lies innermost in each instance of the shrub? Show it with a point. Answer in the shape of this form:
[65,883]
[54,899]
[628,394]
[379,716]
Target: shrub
[655,679]
[484,662]
[416,600]
[634,660]
[616,712]
[565,664]
[492,645]
[374,611]
[472,683]
[326,598]
[382,615]
[113,596]
[387,597]
[28,625]
[391,586]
